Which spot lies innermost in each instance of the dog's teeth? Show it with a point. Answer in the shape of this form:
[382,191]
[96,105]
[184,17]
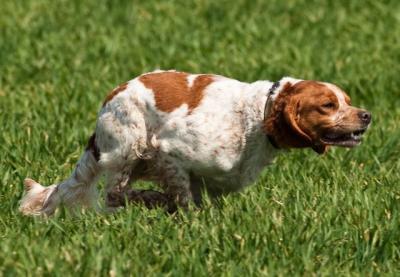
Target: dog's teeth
[355,135]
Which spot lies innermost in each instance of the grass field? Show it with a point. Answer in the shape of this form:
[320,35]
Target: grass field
[328,215]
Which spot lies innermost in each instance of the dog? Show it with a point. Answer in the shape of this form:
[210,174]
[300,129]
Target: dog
[195,132]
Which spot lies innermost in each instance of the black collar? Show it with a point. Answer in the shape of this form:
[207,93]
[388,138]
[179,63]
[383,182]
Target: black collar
[271,92]
[272,89]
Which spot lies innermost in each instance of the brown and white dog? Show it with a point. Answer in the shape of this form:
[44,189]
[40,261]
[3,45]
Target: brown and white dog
[190,132]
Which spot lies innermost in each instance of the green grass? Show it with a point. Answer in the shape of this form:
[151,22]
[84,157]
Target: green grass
[329,215]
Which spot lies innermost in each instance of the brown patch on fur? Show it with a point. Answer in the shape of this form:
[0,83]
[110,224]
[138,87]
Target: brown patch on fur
[92,147]
[199,84]
[171,89]
[114,92]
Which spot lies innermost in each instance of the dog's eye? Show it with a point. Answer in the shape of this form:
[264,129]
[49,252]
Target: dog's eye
[329,105]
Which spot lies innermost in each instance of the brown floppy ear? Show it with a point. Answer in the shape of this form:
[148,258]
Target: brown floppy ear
[291,117]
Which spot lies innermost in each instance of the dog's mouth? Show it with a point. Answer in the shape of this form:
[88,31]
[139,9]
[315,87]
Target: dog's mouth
[348,139]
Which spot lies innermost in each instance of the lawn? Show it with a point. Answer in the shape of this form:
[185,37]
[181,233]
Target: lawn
[336,214]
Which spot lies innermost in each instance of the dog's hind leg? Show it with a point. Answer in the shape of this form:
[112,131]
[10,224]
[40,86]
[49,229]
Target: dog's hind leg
[175,181]
[116,182]
[78,190]
[119,141]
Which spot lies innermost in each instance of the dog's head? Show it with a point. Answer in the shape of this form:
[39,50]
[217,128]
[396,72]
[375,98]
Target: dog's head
[315,114]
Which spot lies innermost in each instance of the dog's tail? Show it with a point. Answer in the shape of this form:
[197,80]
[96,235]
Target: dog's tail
[79,188]
[35,197]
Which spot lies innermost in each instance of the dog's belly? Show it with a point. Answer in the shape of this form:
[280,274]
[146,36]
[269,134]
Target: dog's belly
[224,183]
[218,185]
[223,173]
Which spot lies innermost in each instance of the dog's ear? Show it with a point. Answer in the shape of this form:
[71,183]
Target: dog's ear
[291,116]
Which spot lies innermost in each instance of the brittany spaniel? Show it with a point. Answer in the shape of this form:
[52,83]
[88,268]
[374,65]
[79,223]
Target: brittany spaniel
[190,132]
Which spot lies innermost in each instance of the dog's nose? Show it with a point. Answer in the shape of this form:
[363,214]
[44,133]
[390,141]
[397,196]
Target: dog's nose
[365,117]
